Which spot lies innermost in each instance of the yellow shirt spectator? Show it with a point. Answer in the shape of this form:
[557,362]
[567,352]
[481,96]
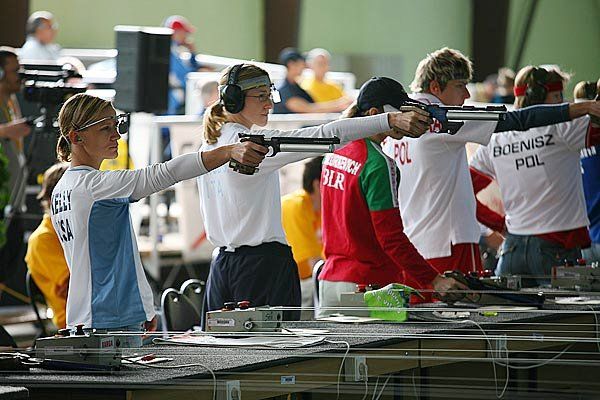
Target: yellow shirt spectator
[322,91]
[302,226]
[46,262]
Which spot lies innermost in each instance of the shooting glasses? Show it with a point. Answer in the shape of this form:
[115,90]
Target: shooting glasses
[121,120]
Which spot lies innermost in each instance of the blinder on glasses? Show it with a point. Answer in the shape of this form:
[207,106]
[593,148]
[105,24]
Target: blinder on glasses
[122,123]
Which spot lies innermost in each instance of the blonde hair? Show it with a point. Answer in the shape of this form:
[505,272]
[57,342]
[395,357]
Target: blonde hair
[354,111]
[586,90]
[78,111]
[216,116]
[525,78]
[441,66]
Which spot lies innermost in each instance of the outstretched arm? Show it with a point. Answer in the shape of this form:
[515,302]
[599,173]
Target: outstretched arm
[546,114]
[139,183]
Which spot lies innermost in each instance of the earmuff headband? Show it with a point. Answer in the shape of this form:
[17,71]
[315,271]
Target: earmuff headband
[550,87]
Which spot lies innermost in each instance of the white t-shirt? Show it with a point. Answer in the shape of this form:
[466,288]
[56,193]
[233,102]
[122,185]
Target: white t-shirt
[435,193]
[90,213]
[539,174]
[245,210]
[33,49]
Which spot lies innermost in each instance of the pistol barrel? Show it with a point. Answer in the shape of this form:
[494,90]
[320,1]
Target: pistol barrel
[306,148]
[476,115]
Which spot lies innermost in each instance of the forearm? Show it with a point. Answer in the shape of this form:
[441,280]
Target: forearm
[215,158]
[577,110]
[390,235]
[351,129]
[347,130]
[158,177]
[534,116]
[489,217]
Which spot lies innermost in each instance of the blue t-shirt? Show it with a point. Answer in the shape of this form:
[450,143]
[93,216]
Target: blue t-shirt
[178,70]
[288,90]
[590,164]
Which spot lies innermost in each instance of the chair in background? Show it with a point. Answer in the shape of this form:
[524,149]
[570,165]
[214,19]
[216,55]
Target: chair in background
[194,290]
[315,276]
[6,339]
[179,312]
[37,301]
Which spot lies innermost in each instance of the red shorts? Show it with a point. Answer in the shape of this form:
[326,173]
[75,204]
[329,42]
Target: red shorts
[465,257]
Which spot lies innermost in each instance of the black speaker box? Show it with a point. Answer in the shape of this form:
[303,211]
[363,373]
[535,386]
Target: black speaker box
[142,82]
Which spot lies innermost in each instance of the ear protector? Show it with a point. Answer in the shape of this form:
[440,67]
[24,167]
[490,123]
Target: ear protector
[537,90]
[590,90]
[231,94]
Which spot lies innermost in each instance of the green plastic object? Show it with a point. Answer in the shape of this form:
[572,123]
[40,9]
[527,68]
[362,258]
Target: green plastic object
[389,303]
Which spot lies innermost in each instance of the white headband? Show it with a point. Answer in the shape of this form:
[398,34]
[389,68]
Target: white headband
[252,83]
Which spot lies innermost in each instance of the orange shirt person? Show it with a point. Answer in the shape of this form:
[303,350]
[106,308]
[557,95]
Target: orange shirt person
[45,258]
[301,219]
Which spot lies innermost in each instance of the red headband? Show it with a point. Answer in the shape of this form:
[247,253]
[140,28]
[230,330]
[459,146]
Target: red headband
[550,87]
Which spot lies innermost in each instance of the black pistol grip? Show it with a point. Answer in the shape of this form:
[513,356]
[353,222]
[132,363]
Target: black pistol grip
[242,168]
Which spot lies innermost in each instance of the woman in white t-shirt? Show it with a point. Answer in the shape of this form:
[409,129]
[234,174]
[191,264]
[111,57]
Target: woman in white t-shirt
[90,213]
[539,175]
[242,213]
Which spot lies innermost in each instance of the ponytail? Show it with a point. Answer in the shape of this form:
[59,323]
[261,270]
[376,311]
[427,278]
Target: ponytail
[63,149]
[214,119]
[352,111]
[79,110]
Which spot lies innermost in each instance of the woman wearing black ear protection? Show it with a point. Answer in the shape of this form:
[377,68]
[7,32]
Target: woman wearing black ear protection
[242,213]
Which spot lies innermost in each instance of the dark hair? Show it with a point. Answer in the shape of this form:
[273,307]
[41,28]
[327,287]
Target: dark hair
[525,77]
[51,178]
[290,54]
[312,172]
[6,52]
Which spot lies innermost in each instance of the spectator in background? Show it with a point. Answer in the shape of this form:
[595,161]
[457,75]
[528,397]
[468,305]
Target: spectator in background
[505,83]
[301,218]
[486,90]
[183,61]
[590,167]
[41,31]
[317,86]
[45,258]
[209,94]
[294,99]
[12,130]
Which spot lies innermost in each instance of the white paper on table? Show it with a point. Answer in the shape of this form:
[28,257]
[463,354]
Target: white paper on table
[262,341]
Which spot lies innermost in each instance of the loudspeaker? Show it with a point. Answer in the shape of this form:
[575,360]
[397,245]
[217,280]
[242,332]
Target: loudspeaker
[142,82]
